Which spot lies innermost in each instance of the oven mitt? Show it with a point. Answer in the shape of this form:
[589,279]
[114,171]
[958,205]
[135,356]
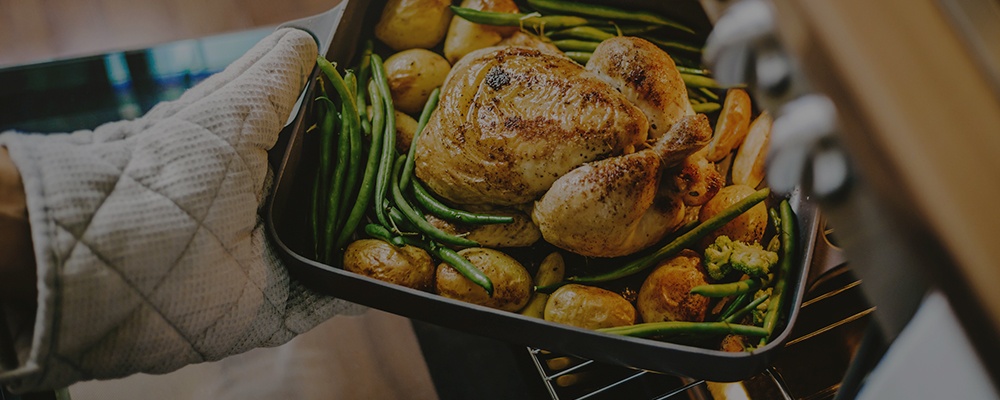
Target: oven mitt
[150,249]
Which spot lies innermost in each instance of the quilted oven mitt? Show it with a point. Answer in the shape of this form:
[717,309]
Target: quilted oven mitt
[150,250]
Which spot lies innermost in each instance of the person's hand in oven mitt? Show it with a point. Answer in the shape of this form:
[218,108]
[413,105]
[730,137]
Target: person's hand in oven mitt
[148,248]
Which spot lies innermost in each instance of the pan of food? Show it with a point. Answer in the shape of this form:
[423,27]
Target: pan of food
[562,175]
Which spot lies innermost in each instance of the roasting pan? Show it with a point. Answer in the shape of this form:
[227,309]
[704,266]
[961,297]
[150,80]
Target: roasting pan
[295,158]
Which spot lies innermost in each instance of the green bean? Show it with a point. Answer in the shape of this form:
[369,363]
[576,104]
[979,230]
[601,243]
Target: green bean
[775,219]
[334,197]
[737,303]
[673,45]
[706,108]
[680,243]
[441,210]
[727,289]
[628,30]
[532,21]
[418,220]
[605,12]
[788,248]
[388,140]
[582,33]
[350,114]
[379,232]
[675,328]
[694,71]
[700,81]
[364,70]
[736,316]
[579,56]
[354,162]
[327,121]
[709,94]
[576,45]
[463,266]
[425,116]
[371,168]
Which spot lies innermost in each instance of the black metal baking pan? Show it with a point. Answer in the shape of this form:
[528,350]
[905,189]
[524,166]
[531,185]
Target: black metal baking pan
[287,219]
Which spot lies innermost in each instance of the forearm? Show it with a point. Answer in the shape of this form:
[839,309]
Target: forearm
[17,264]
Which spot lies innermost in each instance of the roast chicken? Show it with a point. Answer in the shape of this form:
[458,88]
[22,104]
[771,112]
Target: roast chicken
[512,120]
[613,207]
[518,126]
[646,76]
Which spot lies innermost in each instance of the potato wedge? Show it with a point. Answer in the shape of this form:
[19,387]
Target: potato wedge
[748,166]
[734,121]
[408,24]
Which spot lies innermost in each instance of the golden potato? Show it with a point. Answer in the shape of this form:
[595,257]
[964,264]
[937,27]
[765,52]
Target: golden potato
[408,24]
[406,127]
[413,75]
[665,295]
[748,227]
[511,282]
[588,307]
[408,266]
[465,37]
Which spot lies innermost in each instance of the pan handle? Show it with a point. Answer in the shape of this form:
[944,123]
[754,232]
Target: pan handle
[827,257]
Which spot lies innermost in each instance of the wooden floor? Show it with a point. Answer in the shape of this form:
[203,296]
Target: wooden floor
[38,30]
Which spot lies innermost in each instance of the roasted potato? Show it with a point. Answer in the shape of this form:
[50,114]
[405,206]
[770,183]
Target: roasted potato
[747,228]
[589,307]
[511,282]
[465,37]
[408,266]
[748,166]
[408,24]
[665,295]
[406,128]
[732,125]
[550,271]
[413,75]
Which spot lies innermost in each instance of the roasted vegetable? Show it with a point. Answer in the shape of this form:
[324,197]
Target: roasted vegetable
[511,282]
[589,307]
[747,227]
[413,74]
[551,270]
[465,36]
[748,166]
[407,24]
[666,295]
[725,255]
[732,125]
[408,265]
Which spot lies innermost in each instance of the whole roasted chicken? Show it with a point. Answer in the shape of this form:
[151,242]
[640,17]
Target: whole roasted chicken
[521,127]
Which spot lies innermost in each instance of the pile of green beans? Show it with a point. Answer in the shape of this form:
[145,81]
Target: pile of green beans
[383,189]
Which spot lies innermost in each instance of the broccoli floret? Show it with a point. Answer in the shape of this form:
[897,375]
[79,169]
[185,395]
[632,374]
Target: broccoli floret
[717,257]
[752,259]
[725,255]
[761,309]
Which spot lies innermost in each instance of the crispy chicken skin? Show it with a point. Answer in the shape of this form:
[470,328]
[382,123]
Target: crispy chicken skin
[512,120]
[647,76]
[610,208]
